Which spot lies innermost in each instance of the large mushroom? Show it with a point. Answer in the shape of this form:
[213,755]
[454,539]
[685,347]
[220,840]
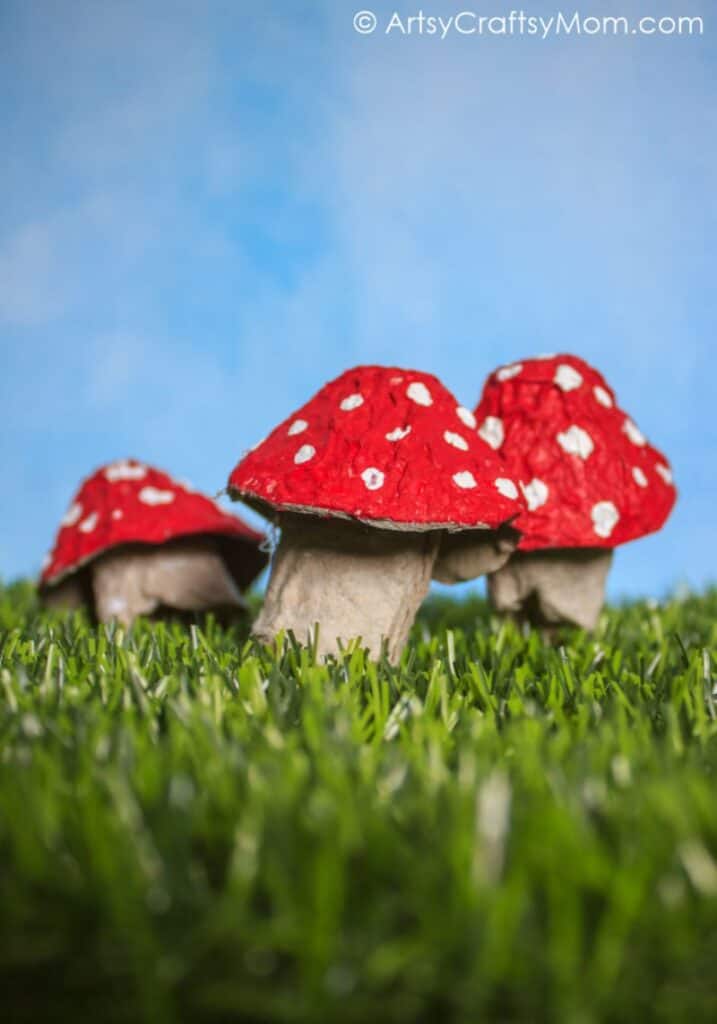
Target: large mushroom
[136,542]
[590,480]
[363,481]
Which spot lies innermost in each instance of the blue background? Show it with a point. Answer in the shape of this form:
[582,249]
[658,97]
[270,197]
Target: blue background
[209,208]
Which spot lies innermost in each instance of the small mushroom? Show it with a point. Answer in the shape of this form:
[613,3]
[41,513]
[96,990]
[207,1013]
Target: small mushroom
[364,479]
[590,481]
[134,542]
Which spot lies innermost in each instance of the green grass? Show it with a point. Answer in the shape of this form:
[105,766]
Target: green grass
[196,829]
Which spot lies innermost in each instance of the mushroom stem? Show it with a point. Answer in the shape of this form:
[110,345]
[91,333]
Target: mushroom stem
[353,580]
[552,587]
[472,553]
[185,575]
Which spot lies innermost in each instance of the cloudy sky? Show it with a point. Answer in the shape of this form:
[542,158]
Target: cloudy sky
[212,206]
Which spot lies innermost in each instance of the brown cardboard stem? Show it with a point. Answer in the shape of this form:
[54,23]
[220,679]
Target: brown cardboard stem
[185,575]
[553,587]
[470,554]
[353,580]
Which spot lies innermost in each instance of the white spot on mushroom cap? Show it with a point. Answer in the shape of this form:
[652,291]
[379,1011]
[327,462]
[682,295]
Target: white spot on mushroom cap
[536,493]
[123,469]
[576,441]
[464,480]
[117,513]
[492,431]
[398,434]
[373,478]
[455,440]
[665,472]
[506,487]
[306,452]
[419,393]
[87,525]
[506,372]
[567,377]
[605,518]
[46,562]
[155,496]
[466,416]
[602,396]
[351,402]
[297,427]
[639,477]
[72,515]
[634,433]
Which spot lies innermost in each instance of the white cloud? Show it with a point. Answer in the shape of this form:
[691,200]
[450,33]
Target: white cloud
[33,288]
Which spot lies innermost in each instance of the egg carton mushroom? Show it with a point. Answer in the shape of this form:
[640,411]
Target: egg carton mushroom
[136,542]
[364,480]
[590,480]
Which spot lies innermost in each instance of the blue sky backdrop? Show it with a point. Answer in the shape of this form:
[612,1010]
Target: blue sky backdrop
[212,206]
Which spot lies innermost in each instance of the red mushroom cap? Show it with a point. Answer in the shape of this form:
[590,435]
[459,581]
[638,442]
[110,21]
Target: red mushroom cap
[386,446]
[589,477]
[128,502]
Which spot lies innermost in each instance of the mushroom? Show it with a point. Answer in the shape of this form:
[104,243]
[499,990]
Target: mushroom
[134,541]
[590,481]
[363,480]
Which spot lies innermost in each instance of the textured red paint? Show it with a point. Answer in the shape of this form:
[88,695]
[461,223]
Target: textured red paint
[108,510]
[533,410]
[343,447]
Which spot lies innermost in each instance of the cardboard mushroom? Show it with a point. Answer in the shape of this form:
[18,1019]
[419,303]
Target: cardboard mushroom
[589,477]
[136,542]
[363,481]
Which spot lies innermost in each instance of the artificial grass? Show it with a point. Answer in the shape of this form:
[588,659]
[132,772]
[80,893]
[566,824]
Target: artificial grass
[193,828]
